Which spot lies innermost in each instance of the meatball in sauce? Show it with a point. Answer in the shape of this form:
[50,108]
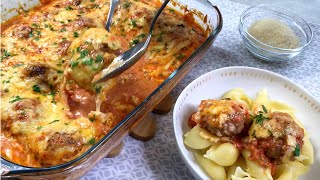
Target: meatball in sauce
[221,117]
[278,136]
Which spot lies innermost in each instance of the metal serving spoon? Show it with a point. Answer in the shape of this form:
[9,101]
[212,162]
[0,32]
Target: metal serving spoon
[113,5]
[130,57]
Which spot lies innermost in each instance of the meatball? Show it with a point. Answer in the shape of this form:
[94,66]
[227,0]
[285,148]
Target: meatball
[278,136]
[62,147]
[22,31]
[221,117]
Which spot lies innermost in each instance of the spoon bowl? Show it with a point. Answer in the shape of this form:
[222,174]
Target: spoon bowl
[125,60]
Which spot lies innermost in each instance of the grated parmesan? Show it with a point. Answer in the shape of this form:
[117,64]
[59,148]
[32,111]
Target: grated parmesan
[274,33]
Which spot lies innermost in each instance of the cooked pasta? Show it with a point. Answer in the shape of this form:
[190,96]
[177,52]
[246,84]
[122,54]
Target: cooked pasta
[240,138]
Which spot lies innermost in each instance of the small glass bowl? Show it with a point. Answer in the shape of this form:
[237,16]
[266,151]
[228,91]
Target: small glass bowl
[264,51]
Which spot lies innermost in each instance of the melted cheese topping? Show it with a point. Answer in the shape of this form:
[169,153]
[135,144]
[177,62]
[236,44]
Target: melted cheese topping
[50,113]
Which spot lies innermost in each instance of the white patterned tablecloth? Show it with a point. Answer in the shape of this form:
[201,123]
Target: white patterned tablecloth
[159,158]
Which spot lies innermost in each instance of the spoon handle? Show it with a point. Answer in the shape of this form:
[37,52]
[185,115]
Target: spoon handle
[113,5]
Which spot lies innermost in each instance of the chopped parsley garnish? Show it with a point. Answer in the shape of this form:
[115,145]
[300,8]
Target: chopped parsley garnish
[171,10]
[31,34]
[260,117]
[99,58]
[134,42]
[74,64]
[84,53]
[15,99]
[18,65]
[264,109]
[141,35]
[63,30]
[98,89]
[133,23]
[126,4]
[53,94]
[59,71]
[92,0]
[296,151]
[66,124]
[35,25]
[36,88]
[88,61]
[92,141]
[5,54]
[75,34]
[54,121]
[39,128]
[49,26]
[180,56]
[5,81]
[68,8]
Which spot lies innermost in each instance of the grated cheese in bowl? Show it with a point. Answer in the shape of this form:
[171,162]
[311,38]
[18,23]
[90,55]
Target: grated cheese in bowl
[274,33]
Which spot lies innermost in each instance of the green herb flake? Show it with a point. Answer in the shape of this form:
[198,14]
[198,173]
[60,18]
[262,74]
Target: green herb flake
[84,53]
[141,35]
[35,25]
[92,141]
[259,118]
[63,30]
[31,34]
[68,8]
[66,124]
[36,88]
[53,94]
[15,99]
[99,58]
[296,151]
[171,10]
[98,89]
[126,4]
[39,128]
[134,42]
[92,0]
[180,56]
[18,65]
[133,23]
[59,71]
[5,54]
[75,34]
[88,62]
[264,109]
[5,81]
[56,120]
[74,64]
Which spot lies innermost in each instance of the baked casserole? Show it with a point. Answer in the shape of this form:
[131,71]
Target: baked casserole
[51,113]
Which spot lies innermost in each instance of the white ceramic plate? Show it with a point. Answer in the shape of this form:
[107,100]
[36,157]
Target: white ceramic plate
[214,84]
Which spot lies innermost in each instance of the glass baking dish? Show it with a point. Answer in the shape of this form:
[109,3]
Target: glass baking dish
[209,18]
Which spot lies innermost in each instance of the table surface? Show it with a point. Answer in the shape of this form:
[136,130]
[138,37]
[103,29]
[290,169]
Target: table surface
[159,158]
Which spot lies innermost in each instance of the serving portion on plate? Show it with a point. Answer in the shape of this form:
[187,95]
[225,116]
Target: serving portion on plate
[51,114]
[263,130]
